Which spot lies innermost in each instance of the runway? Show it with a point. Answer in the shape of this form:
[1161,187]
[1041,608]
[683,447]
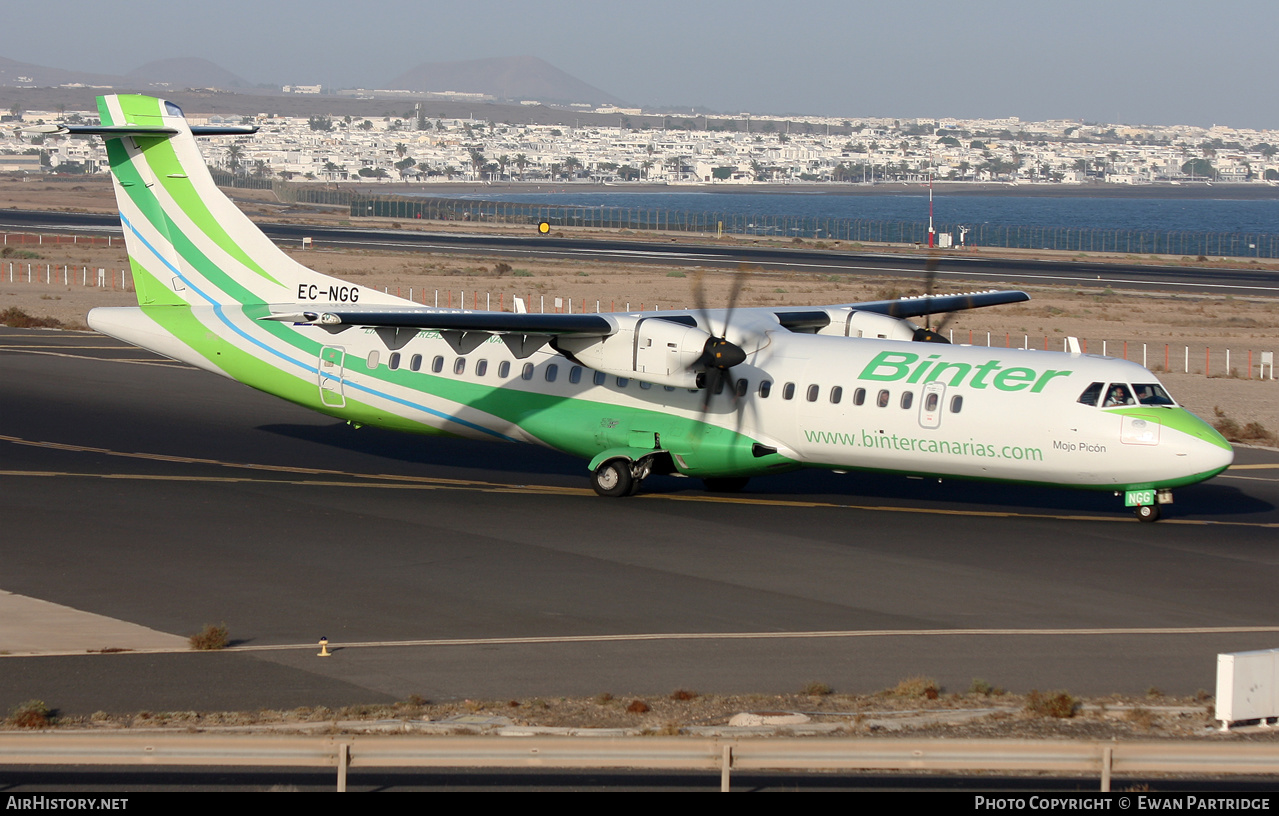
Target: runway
[1113,274]
[151,494]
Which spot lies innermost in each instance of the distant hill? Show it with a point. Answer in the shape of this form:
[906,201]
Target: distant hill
[186,72]
[26,74]
[511,78]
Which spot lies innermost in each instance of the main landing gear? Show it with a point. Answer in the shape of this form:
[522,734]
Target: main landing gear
[620,477]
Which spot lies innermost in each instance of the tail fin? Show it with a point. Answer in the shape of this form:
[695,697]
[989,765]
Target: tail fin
[187,242]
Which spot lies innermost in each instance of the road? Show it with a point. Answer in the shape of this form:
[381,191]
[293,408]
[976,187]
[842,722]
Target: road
[152,494]
[1017,272]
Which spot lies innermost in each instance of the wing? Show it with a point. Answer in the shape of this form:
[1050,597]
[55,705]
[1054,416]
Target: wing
[798,319]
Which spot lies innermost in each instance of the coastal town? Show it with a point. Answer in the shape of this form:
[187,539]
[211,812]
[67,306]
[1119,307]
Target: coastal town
[410,145]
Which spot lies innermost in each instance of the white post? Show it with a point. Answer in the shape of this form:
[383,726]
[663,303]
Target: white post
[1143,356]
[28,273]
[64,274]
[488,301]
[1227,362]
[84,276]
[1103,348]
[1187,359]
[410,293]
[987,339]
[48,274]
[437,298]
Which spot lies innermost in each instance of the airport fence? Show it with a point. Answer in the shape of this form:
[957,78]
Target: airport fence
[1061,239]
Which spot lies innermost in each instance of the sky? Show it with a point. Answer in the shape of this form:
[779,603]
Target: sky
[1116,61]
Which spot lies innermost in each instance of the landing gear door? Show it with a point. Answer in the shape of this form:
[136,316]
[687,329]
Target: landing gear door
[930,407]
[332,361]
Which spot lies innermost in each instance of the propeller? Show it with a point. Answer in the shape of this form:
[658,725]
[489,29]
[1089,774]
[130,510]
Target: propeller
[719,355]
[928,334]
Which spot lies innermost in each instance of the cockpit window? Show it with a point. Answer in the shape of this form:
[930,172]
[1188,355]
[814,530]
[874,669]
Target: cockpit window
[1118,394]
[1152,394]
[172,109]
[1091,394]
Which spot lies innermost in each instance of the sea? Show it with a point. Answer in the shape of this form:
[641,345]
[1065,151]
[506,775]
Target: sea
[1075,212]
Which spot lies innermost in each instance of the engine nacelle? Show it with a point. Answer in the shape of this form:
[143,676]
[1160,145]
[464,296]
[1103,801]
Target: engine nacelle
[652,349]
[854,323]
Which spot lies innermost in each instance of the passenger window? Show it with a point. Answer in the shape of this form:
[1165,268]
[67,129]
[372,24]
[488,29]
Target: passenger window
[504,369]
[788,391]
[765,388]
[459,365]
[600,377]
[551,371]
[836,394]
[437,365]
[1091,394]
[882,399]
[393,362]
[956,404]
[481,368]
[813,391]
[1117,395]
[622,382]
[415,362]
[575,374]
[930,402]
[908,397]
[743,385]
[644,385]
[527,373]
[669,387]
[371,362]
[859,396]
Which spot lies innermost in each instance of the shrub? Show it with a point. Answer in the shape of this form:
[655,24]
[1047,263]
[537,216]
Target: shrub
[211,638]
[637,707]
[816,689]
[1056,704]
[917,686]
[18,319]
[31,714]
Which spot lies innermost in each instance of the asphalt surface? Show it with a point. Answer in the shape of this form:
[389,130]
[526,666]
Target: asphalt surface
[995,271]
[148,493]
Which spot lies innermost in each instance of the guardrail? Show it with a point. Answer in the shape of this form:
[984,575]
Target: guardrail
[346,753]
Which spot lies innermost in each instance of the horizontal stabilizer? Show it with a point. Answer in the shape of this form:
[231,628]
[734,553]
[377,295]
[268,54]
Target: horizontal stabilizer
[142,130]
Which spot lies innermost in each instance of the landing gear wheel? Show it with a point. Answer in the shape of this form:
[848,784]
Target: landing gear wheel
[1147,512]
[613,479]
[726,484]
